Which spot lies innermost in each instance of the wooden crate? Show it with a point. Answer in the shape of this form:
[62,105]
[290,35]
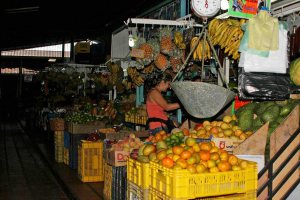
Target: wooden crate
[277,140]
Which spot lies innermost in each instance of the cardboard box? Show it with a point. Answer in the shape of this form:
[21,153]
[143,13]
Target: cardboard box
[117,158]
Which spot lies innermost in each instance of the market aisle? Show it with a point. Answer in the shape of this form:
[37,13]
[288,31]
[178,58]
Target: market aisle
[23,175]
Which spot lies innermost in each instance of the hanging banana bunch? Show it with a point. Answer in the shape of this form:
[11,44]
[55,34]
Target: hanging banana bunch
[227,34]
[178,40]
[202,51]
[135,76]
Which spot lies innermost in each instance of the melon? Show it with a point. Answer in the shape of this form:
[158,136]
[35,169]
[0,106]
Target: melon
[295,71]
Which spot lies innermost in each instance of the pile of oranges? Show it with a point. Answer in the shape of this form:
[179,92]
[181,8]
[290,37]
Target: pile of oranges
[202,158]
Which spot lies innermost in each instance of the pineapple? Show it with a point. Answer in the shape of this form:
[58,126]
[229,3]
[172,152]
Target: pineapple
[176,59]
[148,50]
[161,62]
[166,43]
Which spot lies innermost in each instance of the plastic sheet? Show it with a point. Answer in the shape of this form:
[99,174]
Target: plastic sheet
[263,86]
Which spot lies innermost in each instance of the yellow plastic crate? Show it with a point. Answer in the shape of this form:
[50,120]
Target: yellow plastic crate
[59,153]
[59,138]
[250,195]
[90,161]
[107,181]
[181,184]
[135,192]
[138,173]
[66,156]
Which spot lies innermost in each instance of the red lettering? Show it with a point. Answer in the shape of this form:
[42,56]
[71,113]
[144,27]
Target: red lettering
[120,156]
[222,144]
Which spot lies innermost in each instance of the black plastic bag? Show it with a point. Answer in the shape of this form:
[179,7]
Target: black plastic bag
[263,86]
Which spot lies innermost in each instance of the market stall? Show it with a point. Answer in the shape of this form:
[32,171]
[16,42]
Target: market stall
[237,82]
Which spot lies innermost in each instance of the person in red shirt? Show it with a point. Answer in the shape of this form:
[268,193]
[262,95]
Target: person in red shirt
[156,104]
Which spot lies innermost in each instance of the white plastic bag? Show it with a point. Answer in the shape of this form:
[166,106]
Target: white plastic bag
[276,62]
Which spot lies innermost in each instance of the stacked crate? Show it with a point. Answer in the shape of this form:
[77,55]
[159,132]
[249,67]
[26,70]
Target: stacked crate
[114,182]
[90,161]
[59,146]
[66,147]
[138,179]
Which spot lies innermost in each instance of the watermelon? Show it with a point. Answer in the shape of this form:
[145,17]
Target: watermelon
[295,71]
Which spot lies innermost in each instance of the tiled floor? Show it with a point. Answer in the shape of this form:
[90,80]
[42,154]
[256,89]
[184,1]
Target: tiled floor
[29,172]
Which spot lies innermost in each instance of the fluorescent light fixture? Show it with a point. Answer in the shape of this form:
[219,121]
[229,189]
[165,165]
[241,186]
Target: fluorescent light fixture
[22,10]
[51,60]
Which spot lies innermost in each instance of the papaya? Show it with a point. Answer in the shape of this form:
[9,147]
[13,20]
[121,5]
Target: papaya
[295,71]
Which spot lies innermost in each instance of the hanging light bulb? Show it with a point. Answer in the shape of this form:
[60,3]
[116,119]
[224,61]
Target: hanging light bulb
[130,40]
[224,4]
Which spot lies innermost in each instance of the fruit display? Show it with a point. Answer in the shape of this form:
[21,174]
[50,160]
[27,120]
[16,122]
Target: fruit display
[172,151]
[81,118]
[227,128]
[227,34]
[178,40]
[253,115]
[295,71]
[128,144]
[137,115]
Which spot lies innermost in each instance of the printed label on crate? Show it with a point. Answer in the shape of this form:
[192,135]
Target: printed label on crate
[117,158]
[226,143]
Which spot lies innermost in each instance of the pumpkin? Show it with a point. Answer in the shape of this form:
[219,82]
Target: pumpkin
[295,71]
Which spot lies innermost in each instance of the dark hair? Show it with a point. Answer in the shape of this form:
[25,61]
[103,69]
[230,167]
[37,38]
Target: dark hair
[154,80]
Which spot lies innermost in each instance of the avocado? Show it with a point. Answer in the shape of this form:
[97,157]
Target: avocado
[245,120]
[271,113]
[285,110]
[249,106]
[258,122]
[262,106]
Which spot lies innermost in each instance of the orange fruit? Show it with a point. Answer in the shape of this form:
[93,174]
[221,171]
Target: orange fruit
[162,132]
[214,130]
[206,123]
[177,150]
[214,150]
[206,146]
[190,141]
[186,131]
[243,164]
[227,118]
[167,162]
[201,168]
[233,160]
[182,163]
[196,148]
[161,154]
[214,169]
[175,157]
[238,132]
[191,160]
[214,156]
[192,169]
[158,137]
[204,155]
[224,166]
[236,168]
[211,163]
[185,154]
[243,136]
[224,156]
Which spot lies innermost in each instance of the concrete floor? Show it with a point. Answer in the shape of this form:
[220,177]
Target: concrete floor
[28,170]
